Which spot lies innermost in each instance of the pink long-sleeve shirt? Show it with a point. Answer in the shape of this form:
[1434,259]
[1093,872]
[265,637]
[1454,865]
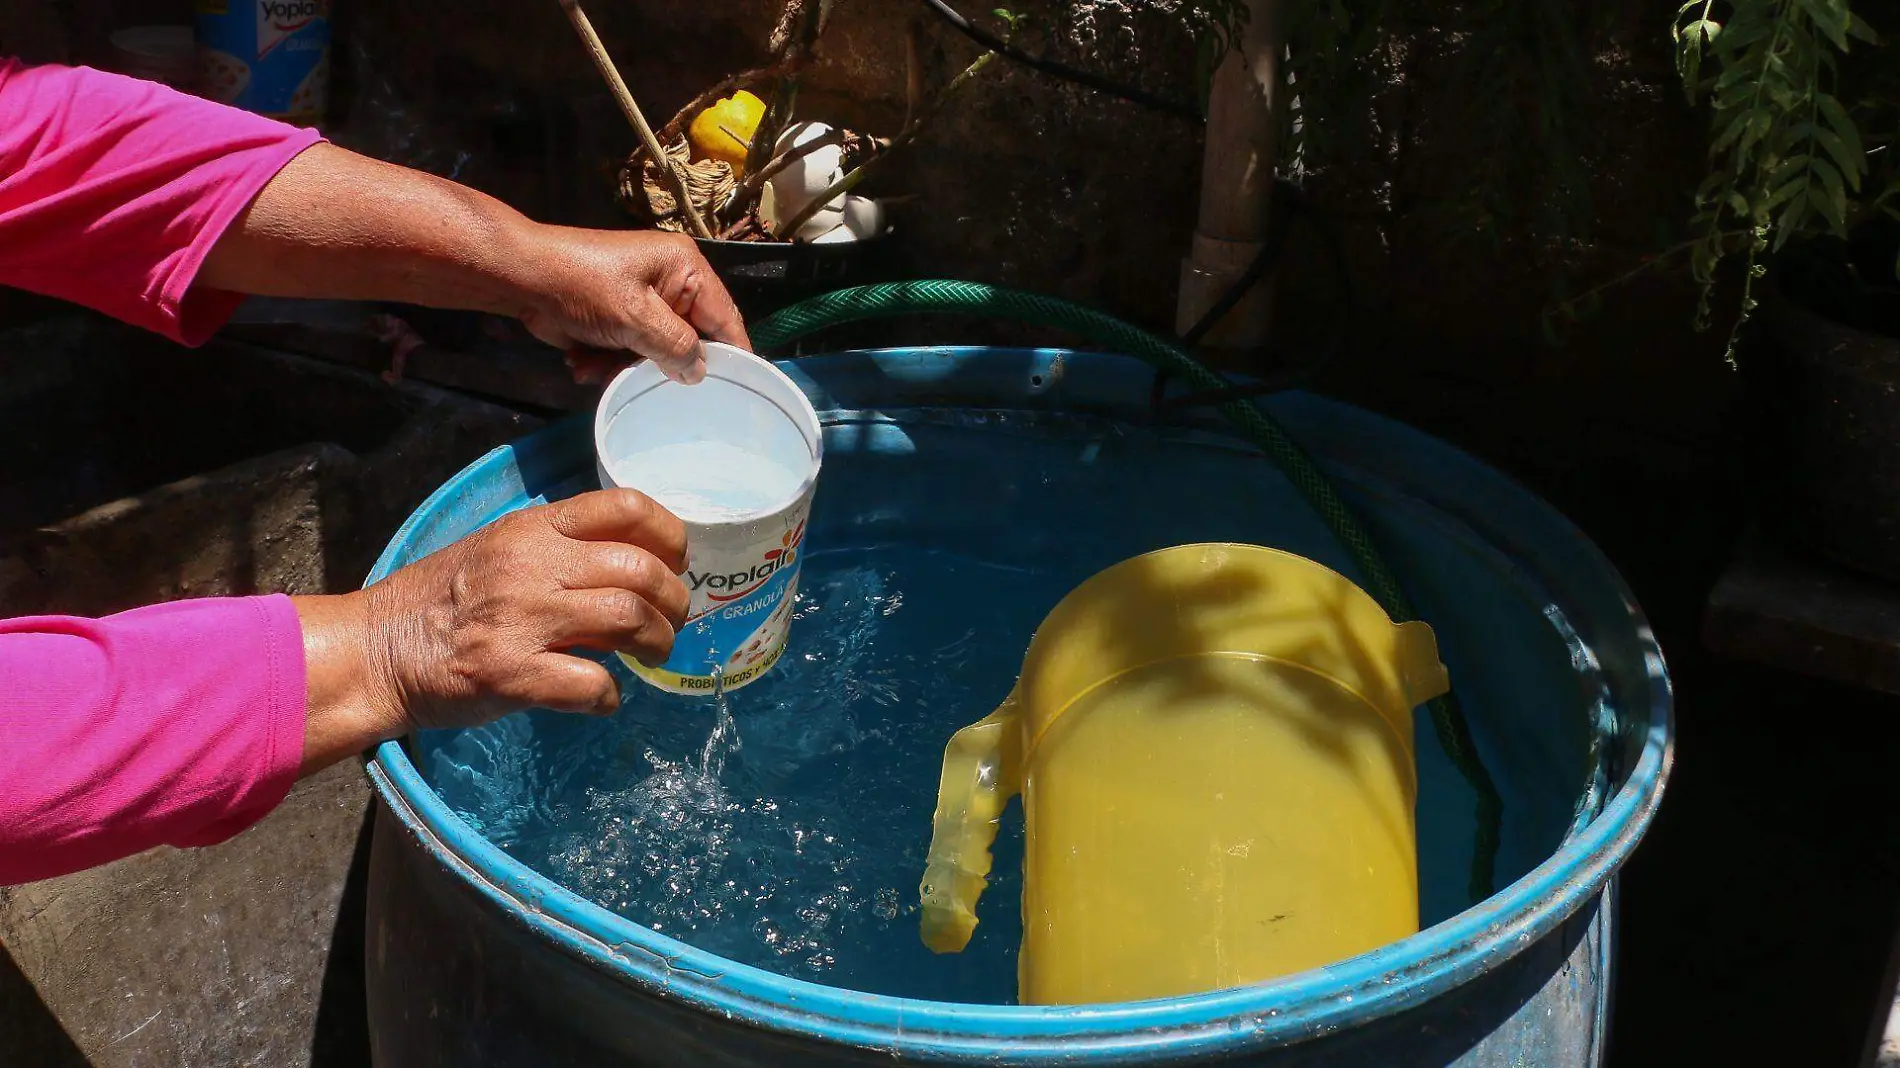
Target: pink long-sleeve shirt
[183,723]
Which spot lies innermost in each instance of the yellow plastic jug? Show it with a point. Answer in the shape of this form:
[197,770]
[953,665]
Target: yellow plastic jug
[1213,744]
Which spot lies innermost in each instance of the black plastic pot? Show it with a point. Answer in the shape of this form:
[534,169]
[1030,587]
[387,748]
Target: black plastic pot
[764,276]
[1836,386]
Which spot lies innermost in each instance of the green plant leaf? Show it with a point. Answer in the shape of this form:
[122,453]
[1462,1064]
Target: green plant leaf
[1830,197]
[1740,33]
[1745,76]
[1791,220]
[1857,27]
[1689,70]
[1786,191]
[1737,125]
[1703,260]
[1831,17]
[1851,165]
[1839,121]
[1690,40]
[1788,167]
[1709,192]
[1760,123]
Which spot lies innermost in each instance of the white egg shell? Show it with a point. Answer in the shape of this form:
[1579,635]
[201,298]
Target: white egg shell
[788,191]
[864,217]
[837,235]
[822,221]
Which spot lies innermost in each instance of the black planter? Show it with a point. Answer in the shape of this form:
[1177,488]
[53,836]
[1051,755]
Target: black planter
[765,276]
[1836,384]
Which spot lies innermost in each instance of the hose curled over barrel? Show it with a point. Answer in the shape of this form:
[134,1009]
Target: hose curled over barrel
[891,299]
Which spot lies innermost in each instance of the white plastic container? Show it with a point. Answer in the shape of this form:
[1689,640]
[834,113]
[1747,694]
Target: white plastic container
[736,457]
[267,56]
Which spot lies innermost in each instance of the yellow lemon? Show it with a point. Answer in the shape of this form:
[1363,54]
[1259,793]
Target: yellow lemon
[724,130]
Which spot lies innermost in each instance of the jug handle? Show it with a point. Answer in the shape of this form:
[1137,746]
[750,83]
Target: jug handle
[982,770]
[1421,673]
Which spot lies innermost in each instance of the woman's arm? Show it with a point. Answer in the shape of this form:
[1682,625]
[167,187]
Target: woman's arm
[113,190]
[160,209]
[185,723]
[337,225]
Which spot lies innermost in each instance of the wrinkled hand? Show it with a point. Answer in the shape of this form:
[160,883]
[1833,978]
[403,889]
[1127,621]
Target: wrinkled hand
[606,297]
[487,626]
[482,628]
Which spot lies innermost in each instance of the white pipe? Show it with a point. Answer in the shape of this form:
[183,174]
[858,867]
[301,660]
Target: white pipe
[1236,184]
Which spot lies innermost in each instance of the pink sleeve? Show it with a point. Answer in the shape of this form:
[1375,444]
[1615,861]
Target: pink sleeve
[113,190]
[178,724]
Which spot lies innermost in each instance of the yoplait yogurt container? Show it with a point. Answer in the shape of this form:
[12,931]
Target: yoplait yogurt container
[736,458]
[267,56]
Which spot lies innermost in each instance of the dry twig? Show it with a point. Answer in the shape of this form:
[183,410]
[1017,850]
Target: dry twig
[624,96]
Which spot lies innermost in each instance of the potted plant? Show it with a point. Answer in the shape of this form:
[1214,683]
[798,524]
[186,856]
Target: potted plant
[772,197]
[1804,196]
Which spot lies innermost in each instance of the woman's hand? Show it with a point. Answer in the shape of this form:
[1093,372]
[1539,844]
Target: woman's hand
[486,626]
[604,295]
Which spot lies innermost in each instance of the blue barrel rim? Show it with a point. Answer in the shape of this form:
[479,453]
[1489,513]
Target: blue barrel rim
[1282,1011]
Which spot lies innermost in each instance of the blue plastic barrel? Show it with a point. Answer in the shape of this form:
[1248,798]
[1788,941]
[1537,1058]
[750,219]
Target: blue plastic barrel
[476,959]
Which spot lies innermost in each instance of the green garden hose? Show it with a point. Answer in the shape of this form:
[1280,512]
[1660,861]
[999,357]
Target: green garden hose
[974,298]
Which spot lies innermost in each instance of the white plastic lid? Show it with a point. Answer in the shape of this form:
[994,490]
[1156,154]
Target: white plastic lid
[744,402]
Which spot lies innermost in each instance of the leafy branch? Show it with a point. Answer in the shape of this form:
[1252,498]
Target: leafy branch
[1787,157]
[1574,308]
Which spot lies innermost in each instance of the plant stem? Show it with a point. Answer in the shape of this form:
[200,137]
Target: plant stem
[913,71]
[624,96]
[863,170]
[1649,263]
[797,39]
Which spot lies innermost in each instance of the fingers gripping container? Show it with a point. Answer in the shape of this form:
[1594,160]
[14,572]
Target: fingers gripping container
[1213,744]
[736,457]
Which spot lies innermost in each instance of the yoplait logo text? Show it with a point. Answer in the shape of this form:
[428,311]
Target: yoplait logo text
[732,585]
[286,15]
